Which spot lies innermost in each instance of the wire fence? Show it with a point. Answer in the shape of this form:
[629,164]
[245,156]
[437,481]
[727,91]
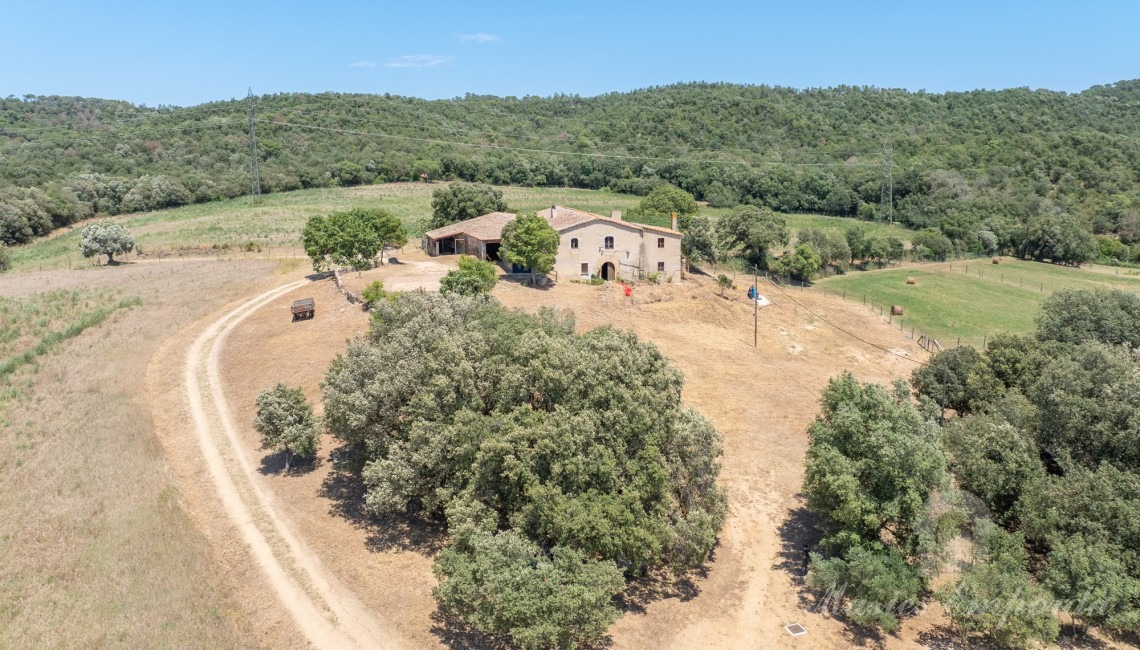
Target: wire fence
[894,314]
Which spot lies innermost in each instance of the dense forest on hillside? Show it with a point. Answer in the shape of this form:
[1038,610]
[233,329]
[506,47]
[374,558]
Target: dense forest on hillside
[964,162]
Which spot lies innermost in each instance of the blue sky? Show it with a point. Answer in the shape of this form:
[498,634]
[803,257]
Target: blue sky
[189,53]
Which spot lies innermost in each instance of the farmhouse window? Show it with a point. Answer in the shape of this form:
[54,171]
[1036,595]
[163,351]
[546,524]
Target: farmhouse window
[661,267]
[574,243]
[609,243]
[660,242]
[585,268]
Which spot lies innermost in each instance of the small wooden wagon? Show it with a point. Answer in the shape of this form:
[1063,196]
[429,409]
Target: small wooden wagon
[304,308]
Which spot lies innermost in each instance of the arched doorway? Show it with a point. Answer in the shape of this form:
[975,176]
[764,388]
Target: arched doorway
[608,273]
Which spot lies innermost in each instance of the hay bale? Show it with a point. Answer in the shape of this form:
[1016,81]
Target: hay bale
[910,280]
[997,260]
[896,310]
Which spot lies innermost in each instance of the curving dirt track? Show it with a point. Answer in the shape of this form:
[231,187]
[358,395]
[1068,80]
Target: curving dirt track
[325,612]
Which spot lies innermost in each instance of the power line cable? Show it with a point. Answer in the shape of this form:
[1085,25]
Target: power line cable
[851,334]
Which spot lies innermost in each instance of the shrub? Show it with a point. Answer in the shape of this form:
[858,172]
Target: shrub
[801,264]
[473,277]
[285,422]
[374,293]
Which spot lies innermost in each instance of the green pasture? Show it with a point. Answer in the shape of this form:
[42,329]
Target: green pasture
[970,300]
[274,222]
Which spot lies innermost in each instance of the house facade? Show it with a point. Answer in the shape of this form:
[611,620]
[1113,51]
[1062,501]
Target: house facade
[589,244]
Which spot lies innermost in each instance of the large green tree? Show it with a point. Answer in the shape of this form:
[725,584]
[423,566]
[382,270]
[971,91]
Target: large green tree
[508,585]
[1088,401]
[531,242]
[1078,316]
[665,200]
[993,460]
[502,422]
[698,244]
[351,238]
[105,238]
[751,232]
[958,378]
[461,201]
[802,263]
[996,596]
[1061,239]
[285,421]
[873,463]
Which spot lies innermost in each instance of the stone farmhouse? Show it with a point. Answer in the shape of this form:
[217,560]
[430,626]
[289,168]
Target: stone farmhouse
[589,244]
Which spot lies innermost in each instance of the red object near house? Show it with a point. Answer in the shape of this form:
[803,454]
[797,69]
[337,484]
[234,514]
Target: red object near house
[628,290]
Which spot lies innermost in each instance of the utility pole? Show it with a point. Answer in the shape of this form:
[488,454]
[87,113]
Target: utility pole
[887,190]
[254,174]
[755,306]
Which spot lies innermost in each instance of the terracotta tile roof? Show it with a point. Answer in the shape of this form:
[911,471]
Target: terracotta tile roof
[486,227]
[564,218]
[489,227]
[670,231]
[561,218]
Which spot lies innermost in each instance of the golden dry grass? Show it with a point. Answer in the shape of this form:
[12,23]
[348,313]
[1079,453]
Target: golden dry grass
[96,548]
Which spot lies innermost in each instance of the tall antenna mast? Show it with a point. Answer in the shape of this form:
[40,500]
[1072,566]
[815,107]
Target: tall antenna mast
[887,191]
[254,173]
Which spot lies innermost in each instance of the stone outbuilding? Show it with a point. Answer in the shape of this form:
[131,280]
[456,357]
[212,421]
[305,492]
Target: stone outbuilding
[589,244]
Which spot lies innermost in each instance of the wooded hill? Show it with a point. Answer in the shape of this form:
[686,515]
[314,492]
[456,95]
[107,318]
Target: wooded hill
[963,162]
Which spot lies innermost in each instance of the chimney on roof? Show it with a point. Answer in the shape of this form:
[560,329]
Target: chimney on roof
[552,211]
[673,220]
[615,215]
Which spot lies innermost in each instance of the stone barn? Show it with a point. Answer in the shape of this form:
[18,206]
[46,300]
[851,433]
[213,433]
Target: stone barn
[589,244]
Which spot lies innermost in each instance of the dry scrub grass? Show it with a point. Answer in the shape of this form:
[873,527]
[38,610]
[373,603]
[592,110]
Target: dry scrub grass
[96,548]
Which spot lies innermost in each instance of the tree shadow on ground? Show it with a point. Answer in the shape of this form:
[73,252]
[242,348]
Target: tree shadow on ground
[943,637]
[274,463]
[384,532]
[661,584]
[524,281]
[453,632]
[803,528]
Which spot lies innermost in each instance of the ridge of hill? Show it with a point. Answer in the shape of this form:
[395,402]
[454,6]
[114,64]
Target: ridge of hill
[963,161]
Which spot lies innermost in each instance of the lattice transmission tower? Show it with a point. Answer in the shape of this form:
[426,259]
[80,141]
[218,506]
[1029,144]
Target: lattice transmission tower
[887,192]
[254,173]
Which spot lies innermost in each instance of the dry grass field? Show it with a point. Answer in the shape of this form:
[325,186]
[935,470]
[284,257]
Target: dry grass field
[119,536]
[761,399]
[135,517]
[97,547]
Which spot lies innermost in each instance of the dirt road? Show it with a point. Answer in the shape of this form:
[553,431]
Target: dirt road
[326,613]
